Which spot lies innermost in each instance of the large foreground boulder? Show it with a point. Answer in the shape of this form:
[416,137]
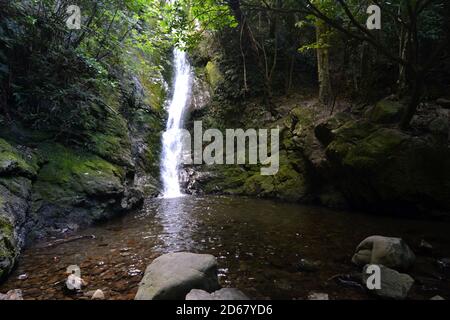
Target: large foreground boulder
[394,285]
[390,252]
[222,294]
[172,276]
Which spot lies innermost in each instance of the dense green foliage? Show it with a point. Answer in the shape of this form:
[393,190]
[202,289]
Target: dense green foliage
[268,47]
[55,78]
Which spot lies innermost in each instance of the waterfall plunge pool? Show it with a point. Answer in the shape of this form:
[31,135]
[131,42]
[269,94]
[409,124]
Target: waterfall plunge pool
[258,245]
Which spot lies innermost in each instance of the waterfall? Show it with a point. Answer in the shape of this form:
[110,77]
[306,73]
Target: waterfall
[171,141]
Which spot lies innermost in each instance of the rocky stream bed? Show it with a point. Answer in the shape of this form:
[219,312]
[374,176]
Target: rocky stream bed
[266,249]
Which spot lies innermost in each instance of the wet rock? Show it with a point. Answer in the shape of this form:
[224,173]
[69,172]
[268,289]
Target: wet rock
[390,252]
[12,295]
[318,296]
[74,283]
[133,198]
[437,298]
[394,285]
[98,295]
[308,265]
[23,277]
[172,276]
[222,294]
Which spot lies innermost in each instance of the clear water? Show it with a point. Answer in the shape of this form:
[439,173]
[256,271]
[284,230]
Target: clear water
[172,138]
[258,245]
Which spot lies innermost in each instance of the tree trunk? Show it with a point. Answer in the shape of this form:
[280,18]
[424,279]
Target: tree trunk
[416,95]
[323,64]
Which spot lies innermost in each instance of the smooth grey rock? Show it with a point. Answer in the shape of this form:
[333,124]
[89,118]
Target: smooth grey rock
[394,285]
[390,252]
[437,298]
[98,295]
[318,296]
[12,295]
[172,276]
[74,283]
[222,294]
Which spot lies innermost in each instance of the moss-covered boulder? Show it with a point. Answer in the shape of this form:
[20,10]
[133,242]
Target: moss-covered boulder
[288,184]
[17,168]
[14,205]
[12,162]
[77,187]
[380,168]
[112,142]
[370,152]
[325,130]
[386,111]
[7,247]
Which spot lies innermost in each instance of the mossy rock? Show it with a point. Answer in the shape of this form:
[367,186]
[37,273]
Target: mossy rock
[419,173]
[302,118]
[13,163]
[75,187]
[375,150]
[261,186]
[69,174]
[346,137]
[213,74]
[112,141]
[325,131]
[155,93]
[8,251]
[18,186]
[377,167]
[352,131]
[386,112]
[291,185]
[14,205]
[288,184]
[226,179]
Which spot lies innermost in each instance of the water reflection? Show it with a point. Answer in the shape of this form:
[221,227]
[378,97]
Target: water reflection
[174,215]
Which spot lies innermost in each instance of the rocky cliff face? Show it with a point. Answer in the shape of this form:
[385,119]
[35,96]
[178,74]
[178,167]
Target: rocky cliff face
[353,159]
[50,186]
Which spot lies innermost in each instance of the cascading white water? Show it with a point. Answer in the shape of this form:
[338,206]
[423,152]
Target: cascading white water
[172,143]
